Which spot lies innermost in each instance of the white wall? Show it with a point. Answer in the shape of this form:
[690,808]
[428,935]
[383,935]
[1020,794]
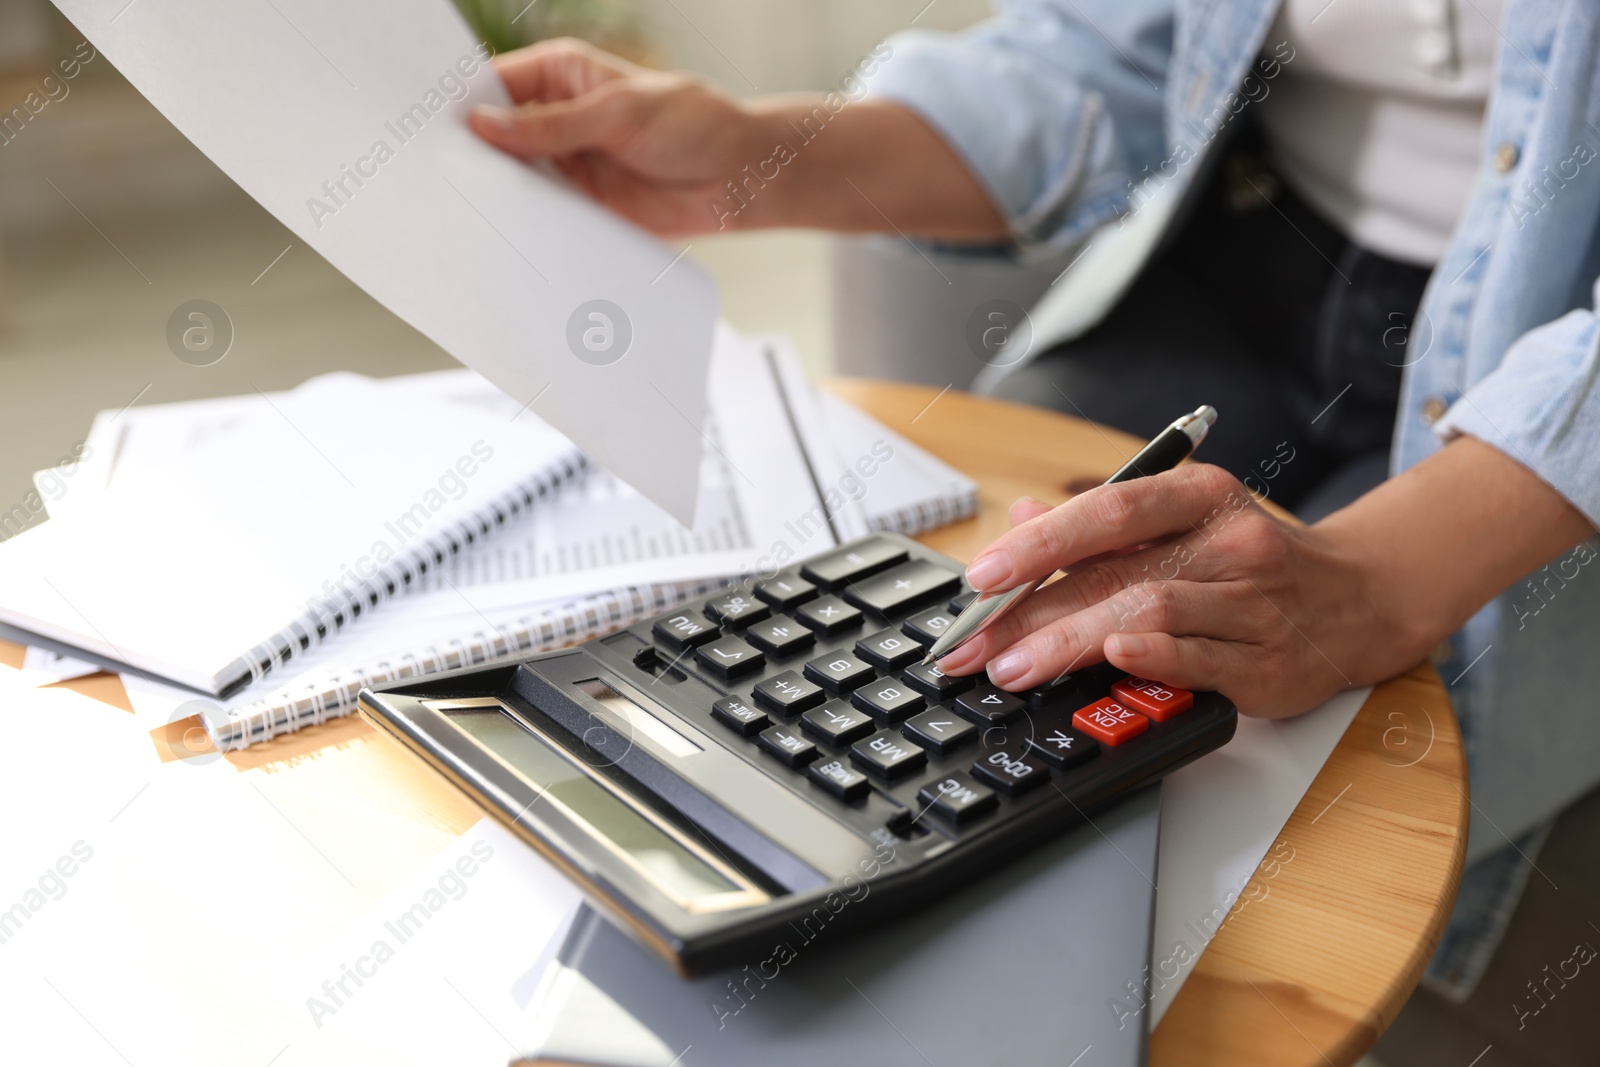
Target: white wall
[782,45]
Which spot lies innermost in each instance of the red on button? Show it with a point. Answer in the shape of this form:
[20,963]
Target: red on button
[1160,702]
[1109,722]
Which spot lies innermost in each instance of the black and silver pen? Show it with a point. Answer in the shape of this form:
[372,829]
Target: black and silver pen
[1171,447]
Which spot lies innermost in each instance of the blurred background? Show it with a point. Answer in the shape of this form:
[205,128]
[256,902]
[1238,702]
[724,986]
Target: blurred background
[109,219]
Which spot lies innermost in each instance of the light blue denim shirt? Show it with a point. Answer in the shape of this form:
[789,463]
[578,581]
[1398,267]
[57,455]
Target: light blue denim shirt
[1065,109]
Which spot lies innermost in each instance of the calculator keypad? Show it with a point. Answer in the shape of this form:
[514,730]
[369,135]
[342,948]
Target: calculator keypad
[822,667]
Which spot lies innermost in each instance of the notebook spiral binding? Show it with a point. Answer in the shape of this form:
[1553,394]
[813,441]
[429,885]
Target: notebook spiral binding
[569,624]
[331,613]
[926,515]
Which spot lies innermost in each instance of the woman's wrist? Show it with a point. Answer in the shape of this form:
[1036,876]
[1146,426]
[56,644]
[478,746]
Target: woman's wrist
[870,166]
[1435,543]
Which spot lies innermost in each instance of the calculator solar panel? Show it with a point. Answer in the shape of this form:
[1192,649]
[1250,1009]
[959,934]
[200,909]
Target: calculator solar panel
[777,753]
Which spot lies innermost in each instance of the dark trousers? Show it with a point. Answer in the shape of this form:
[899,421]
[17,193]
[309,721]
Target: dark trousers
[1260,308]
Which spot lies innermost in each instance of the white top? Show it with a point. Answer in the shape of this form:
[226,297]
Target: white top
[1377,118]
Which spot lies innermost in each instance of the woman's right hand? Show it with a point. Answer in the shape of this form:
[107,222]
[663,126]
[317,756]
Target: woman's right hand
[679,156]
[653,146]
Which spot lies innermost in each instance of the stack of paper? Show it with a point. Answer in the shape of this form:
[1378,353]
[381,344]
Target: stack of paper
[275,527]
[785,473]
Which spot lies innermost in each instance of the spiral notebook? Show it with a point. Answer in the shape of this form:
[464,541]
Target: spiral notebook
[245,551]
[507,597]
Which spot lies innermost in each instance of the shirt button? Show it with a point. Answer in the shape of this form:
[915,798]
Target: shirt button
[1505,157]
[1433,409]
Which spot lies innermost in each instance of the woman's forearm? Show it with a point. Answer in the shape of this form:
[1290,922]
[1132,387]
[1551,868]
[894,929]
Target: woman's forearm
[870,167]
[1442,539]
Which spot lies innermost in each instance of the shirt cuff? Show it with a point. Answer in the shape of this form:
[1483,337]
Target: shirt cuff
[1042,146]
[1541,406]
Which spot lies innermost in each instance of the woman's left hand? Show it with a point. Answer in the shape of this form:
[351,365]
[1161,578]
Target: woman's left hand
[1184,578]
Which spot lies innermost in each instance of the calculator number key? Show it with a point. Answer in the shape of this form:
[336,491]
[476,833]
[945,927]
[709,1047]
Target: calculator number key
[739,716]
[1063,749]
[928,679]
[887,700]
[729,657]
[785,591]
[987,704]
[1159,702]
[939,730]
[780,635]
[928,626]
[839,672]
[843,781]
[785,743]
[736,609]
[888,755]
[837,723]
[788,692]
[957,797]
[685,629]
[1010,772]
[829,615]
[889,649]
[1108,722]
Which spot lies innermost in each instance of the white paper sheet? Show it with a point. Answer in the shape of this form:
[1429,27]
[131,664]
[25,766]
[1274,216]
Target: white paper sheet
[347,122]
[1220,816]
[429,972]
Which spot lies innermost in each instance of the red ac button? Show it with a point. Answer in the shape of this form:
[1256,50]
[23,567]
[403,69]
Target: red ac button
[1109,722]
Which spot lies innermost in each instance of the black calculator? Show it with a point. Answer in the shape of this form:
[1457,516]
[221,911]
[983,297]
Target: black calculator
[776,761]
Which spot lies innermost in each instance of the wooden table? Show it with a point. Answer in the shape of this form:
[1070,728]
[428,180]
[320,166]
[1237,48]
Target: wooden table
[1311,980]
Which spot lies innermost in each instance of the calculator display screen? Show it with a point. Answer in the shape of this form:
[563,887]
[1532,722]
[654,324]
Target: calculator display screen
[676,870]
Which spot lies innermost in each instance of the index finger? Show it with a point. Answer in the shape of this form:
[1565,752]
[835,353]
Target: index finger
[1106,519]
[557,70]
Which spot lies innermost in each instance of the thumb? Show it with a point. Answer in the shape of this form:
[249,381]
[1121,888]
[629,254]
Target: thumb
[537,131]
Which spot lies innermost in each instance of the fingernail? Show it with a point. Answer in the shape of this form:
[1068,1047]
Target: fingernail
[1128,645]
[958,659]
[989,570]
[1010,666]
[497,119]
